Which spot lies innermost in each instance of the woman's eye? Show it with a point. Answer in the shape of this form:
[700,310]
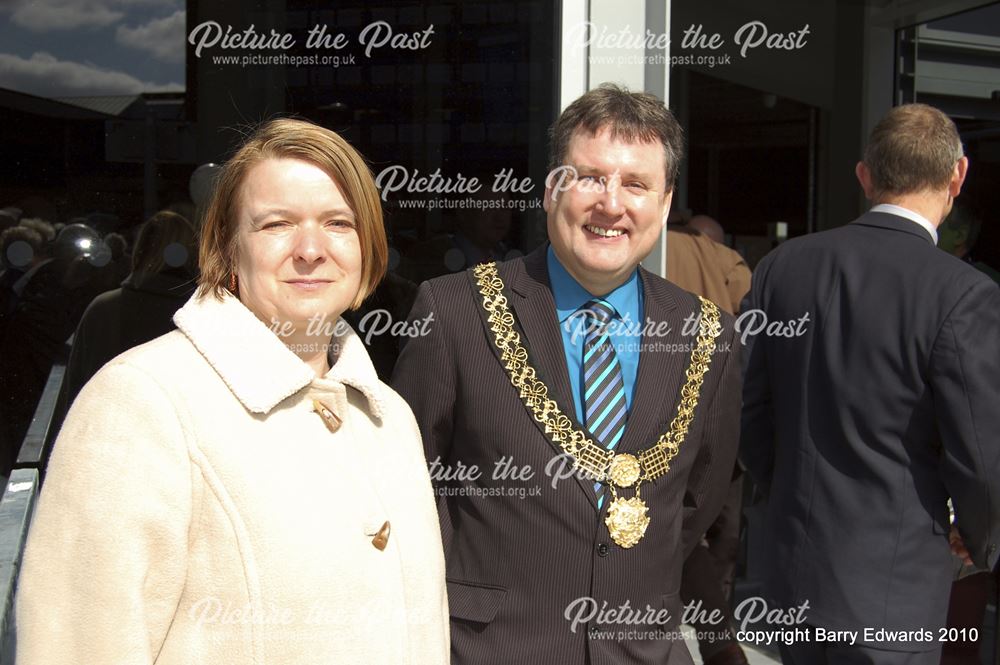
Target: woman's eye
[274,225]
[341,223]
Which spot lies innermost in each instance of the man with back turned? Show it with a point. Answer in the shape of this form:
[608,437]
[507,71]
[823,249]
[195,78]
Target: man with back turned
[575,357]
[884,408]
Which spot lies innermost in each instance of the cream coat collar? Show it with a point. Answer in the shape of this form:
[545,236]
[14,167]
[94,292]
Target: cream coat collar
[258,368]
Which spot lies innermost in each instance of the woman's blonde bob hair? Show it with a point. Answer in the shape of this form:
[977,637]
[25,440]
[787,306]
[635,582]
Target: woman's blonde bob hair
[286,138]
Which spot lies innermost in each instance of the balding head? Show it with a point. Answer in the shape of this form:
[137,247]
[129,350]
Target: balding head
[914,147]
[709,227]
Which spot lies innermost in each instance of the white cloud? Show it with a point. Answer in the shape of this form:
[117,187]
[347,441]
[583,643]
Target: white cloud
[49,15]
[163,37]
[47,76]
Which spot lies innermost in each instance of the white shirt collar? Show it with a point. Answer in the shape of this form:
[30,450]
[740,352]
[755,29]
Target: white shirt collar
[900,211]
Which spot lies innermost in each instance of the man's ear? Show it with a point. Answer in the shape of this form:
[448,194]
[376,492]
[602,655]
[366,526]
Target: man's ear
[958,176]
[865,178]
[547,198]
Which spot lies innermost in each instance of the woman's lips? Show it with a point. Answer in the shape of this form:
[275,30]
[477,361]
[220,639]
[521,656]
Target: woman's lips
[308,284]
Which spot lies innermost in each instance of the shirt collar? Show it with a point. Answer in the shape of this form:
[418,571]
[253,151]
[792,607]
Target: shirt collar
[569,296]
[906,213]
[259,369]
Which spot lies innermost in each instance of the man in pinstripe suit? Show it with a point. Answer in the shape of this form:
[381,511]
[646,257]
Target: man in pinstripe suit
[545,566]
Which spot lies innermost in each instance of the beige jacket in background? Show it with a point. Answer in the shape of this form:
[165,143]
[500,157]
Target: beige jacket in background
[698,264]
[198,510]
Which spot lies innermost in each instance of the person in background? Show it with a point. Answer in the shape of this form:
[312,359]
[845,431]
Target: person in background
[46,229]
[709,227]
[480,236]
[244,489]
[880,406]
[701,264]
[377,318]
[51,297]
[958,236]
[164,269]
[698,262]
[120,259]
[7,220]
[21,250]
[970,590]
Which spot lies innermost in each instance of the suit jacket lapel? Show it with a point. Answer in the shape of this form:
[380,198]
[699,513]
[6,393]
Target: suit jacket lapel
[535,310]
[658,380]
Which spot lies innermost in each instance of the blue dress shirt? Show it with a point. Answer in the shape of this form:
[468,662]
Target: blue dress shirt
[627,300]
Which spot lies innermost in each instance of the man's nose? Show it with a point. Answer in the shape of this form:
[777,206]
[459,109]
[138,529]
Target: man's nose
[610,201]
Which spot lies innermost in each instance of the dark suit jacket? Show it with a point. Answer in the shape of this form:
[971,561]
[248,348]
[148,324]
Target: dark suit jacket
[393,295]
[866,424]
[516,563]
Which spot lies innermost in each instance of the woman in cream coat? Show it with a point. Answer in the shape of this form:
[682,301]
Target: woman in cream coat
[245,489]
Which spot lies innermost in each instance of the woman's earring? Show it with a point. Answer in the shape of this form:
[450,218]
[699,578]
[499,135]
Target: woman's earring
[232,282]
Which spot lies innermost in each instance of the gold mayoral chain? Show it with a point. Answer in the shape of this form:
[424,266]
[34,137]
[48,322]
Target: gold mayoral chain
[627,519]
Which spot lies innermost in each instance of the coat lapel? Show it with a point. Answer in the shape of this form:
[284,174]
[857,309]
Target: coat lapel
[534,308]
[658,380]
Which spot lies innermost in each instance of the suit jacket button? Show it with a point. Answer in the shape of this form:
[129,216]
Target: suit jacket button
[603,549]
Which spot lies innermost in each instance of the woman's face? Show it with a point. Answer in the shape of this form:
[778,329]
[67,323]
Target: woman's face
[299,256]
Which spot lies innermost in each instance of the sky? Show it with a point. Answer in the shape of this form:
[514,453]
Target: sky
[70,48]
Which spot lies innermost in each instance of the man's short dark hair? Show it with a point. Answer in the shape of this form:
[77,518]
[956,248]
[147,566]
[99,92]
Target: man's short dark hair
[630,116]
[914,147]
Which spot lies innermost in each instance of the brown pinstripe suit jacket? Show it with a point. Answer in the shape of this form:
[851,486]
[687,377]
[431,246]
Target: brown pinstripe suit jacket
[525,554]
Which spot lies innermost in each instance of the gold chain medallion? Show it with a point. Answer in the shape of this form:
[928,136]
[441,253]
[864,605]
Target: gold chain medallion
[625,470]
[627,519]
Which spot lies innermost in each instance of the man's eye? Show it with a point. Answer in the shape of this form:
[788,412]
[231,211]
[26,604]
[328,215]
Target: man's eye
[275,224]
[340,223]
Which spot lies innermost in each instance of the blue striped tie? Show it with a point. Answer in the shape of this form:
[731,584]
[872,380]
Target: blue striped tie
[603,386]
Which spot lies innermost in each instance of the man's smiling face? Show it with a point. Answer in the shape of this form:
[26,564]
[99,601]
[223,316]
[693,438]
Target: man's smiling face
[607,220]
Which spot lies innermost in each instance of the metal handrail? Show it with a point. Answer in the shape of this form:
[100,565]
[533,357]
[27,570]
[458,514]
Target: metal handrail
[18,502]
[37,442]
[16,508]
